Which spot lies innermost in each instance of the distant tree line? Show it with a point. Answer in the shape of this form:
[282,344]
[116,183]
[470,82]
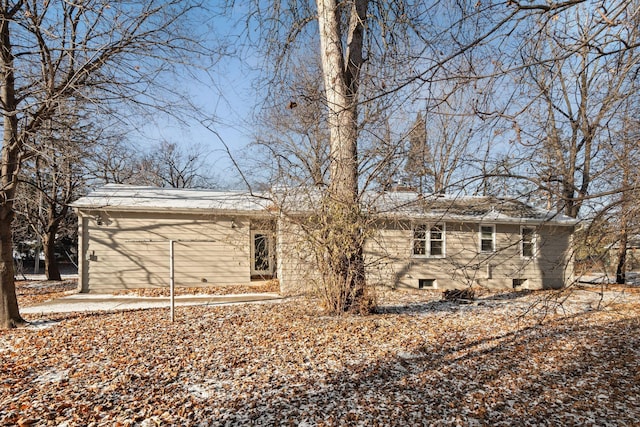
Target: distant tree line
[73,163]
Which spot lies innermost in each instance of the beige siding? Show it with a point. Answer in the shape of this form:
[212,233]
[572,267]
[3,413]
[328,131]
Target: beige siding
[131,250]
[555,259]
[297,271]
[390,260]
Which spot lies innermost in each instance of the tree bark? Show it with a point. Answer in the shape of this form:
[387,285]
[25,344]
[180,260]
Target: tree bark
[9,313]
[626,201]
[51,267]
[341,72]
[621,265]
[54,218]
[341,86]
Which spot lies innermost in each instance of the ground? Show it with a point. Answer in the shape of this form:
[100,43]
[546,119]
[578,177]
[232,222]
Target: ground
[525,358]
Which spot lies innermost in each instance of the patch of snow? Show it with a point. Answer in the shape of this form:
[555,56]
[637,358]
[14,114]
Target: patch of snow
[42,324]
[53,376]
[409,356]
[199,391]
[4,347]
[42,279]
[151,422]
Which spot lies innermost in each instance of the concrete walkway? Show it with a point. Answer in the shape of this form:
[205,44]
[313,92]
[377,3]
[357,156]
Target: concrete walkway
[101,302]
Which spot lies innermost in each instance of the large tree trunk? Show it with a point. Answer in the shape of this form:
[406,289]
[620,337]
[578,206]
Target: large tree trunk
[341,72]
[9,313]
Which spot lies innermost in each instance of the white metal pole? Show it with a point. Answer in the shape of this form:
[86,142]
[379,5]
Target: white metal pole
[171,280]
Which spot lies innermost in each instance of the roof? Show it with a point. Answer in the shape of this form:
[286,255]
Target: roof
[142,198]
[464,208]
[410,205]
[396,204]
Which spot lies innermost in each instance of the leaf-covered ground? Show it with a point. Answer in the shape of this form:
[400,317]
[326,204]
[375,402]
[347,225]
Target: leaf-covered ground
[511,359]
[34,292]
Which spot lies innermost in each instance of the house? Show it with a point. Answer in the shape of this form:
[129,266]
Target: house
[218,238]
[130,236]
[452,242]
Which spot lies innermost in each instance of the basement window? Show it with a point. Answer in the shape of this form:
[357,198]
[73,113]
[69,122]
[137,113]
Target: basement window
[518,283]
[426,283]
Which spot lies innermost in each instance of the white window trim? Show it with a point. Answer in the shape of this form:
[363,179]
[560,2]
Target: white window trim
[428,227]
[493,238]
[534,242]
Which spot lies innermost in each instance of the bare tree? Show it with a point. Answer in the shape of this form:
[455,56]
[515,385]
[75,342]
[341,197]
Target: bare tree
[291,143]
[392,51]
[58,51]
[342,59]
[573,94]
[169,165]
[436,155]
[51,178]
[406,46]
[623,212]
[112,159]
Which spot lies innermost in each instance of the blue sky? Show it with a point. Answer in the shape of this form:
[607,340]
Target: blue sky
[226,98]
[229,105]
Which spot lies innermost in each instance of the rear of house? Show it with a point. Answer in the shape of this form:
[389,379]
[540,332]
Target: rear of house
[129,237]
[444,242]
[453,254]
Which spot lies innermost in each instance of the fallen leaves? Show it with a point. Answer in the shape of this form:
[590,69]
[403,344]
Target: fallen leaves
[259,287]
[34,292]
[503,360]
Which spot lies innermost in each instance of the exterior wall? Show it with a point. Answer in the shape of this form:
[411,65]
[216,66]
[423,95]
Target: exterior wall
[83,244]
[556,256]
[391,262]
[131,250]
[296,265]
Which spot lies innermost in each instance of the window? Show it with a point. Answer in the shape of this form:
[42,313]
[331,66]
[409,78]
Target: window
[487,238]
[518,283]
[436,241]
[420,240]
[260,252]
[429,241]
[426,283]
[528,242]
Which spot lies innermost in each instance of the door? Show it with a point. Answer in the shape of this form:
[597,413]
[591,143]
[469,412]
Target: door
[261,253]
